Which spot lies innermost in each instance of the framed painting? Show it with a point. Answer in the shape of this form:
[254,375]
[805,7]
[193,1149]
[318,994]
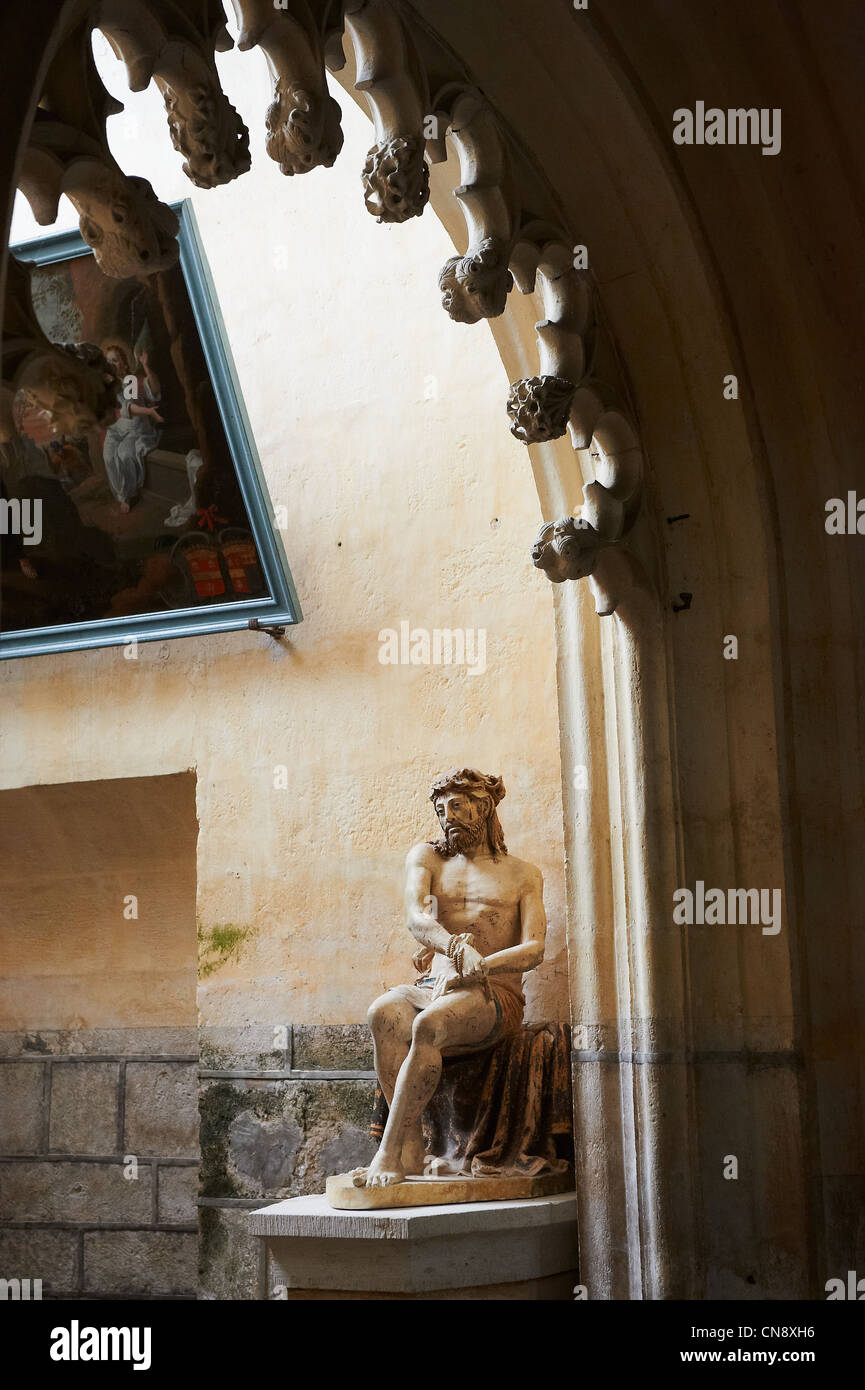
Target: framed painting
[157,524]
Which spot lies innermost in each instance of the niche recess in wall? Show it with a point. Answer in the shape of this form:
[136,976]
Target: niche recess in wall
[98,1039]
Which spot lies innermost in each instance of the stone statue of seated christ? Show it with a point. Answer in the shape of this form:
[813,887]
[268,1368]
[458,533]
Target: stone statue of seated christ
[478,914]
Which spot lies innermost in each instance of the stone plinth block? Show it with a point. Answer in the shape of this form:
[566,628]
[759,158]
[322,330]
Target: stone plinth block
[146,1262]
[22,1107]
[332,1046]
[343,1195]
[51,1256]
[84,1107]
[75,1192]
[177,1197]
[231,1257]
[162,1109]
[417,1251]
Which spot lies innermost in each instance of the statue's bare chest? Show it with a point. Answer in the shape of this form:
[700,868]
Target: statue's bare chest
[488,884]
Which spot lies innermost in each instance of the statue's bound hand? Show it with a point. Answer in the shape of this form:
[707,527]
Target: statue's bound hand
[471,963]
[423,959]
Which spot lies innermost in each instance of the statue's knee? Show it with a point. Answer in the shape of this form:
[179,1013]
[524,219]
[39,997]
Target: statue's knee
[425,1030]
[375,1013]
[381,1012]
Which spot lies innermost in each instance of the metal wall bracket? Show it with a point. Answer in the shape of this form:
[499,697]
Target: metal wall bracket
[275,632]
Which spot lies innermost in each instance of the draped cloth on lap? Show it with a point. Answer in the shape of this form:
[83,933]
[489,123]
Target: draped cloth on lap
[505,1111]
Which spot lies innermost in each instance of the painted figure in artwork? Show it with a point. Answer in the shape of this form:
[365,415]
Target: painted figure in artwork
[134,433]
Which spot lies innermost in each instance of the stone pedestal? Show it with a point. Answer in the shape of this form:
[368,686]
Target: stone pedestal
[488,1250]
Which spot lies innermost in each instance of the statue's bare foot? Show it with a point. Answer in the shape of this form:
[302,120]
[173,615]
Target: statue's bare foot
[442,1168]
[383,1173]
[377,1175]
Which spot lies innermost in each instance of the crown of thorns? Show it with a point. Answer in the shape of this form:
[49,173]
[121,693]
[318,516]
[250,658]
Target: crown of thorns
[468,779]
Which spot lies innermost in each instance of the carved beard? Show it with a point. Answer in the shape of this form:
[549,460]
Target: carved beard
[459,838]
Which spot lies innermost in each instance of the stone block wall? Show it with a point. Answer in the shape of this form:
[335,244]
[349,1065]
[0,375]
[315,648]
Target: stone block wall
[99,1150]
[281,1109]
[99,1161]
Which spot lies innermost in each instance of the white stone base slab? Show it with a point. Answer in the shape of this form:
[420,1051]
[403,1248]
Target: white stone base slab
[417,1251]
[341,1192]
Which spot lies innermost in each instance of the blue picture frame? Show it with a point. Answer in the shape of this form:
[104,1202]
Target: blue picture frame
[282,607]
